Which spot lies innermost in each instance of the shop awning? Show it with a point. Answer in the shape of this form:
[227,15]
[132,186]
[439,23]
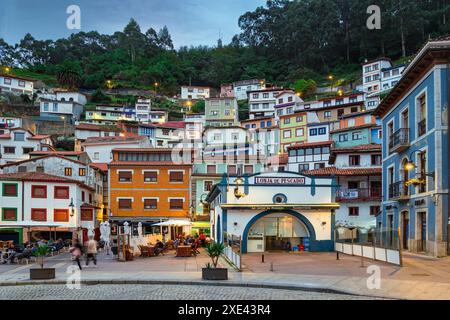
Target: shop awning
[175,223]
[201,224]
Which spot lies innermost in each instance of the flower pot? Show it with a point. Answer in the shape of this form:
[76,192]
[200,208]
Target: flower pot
[214,273]
[42,273]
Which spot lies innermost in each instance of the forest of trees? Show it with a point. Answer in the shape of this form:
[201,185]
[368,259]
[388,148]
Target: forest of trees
[282,42]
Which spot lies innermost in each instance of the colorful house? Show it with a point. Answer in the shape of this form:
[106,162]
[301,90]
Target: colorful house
[415,122]
[292,130]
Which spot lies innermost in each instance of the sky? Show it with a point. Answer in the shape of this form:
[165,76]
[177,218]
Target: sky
[190,22]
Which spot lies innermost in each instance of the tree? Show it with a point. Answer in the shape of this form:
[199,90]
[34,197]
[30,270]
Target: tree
[68,74]
[306,88]
[198,107]
[100,97]
[164,39]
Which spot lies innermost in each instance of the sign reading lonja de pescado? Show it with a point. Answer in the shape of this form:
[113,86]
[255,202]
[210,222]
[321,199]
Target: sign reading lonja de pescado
[279,180]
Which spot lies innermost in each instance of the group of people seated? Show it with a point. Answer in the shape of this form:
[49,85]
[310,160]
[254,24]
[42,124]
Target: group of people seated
[15,252]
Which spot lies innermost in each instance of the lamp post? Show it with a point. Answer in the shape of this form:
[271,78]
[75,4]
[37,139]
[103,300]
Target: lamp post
[237,193]
[156,84]
[72,207]
[409,166]
[330,78]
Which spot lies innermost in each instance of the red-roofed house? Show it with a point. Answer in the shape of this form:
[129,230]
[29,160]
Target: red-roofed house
[18,143]
[51,204]
[88,130]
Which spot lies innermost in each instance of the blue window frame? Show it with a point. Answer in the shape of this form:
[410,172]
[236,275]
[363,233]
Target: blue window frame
[313,132]
[45,106]
[269,123]
[263,124]
[322,131]
[247,126]
[55,107]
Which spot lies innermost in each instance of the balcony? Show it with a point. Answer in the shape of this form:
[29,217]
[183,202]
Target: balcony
[422,127]
[398,191]
[357,195]
[399,140]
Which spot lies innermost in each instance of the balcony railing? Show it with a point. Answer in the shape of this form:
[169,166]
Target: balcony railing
[422,127]
[360,194]
[398,191]
[399,140]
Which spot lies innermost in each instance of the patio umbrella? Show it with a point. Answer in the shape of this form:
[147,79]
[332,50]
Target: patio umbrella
[29,224]
[173,222]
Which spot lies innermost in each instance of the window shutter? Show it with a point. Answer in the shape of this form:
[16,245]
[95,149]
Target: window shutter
[176,176]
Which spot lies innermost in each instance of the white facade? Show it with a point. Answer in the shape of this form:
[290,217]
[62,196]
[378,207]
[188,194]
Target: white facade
[371,72]
[158,116]
[17,144]
[241,88]
[64,105]
[100,149]
[9,123]
[303,211]
[332,102]
[195,93]
[390,77]
[262,102]
[143,108]
[16,85]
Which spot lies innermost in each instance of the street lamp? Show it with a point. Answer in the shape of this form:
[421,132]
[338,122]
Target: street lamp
[237,193]
[72,207]
[409,166]
[156,84]
[7,69]
[330,78]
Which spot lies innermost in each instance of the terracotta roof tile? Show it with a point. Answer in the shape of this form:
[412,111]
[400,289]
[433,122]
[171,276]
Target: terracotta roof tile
[39,177]
[333,171]
[96,127]
[311,144]
[100,166]
[364,147]
[113,139]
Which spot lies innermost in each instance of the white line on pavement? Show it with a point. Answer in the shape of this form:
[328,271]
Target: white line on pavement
[59,265]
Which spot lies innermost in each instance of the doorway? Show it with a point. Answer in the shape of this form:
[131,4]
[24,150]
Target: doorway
[390,231]
[422,239]
[405,230]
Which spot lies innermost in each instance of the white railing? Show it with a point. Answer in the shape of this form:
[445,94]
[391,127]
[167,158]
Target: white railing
[392,256]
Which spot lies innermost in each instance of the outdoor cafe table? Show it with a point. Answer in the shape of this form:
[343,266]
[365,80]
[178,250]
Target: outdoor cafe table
[151,251]
[184,251]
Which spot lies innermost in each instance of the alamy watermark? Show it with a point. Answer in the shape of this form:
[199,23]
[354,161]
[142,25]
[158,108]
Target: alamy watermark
[74,279]
[374,20]
[374,280]
[73,21]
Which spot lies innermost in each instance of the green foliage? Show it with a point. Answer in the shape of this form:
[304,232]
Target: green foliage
[100,97]
[214,251]
[306,88]
[198,107]
[42,250]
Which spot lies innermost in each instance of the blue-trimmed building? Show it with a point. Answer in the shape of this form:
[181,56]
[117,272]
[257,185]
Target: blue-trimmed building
[415,173]
[275,211]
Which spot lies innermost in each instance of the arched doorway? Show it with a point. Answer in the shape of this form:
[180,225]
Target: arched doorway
[277,230]
[405,229]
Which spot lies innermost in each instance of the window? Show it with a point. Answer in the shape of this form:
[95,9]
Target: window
[280,101]
[340,112]
[423,169]
[269,123]
[68,172]
[150,176]
[357,135]
[27,150]
[39,192]
[61,193]
[96,155]
[9,150]
[39,214]
[286,134]
[82,172]
[289,110]
[227,112]
[248,169]
[313,132]
[40,169]
[265,95]
[320,165]
[351,122]
[255,96]
[309,151]
[10,189]
[303,167]
[354,160]
[22,169]
[87,215]
[290,99]
[422,123]
[343,137]
[374,210]
[395,72]
[9,214]
[7,81]
[55,107]
[327,114]
[83,196]
[287,121]
[353,211]
[125,176]
[21,83]
[207,186]
[299,119]
[376,159]
[231,169]
[125,203]
[265,106]
[354,109]
[322,131]
[90,197]
[19,136]
[299,132]
[176,176]
[211,169]
[176,204]
[150,204]
[235,136]
[262,124]
[339,101]
[62,215]
[217,137]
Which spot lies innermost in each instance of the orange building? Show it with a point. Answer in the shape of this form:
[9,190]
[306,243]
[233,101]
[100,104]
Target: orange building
[145,185]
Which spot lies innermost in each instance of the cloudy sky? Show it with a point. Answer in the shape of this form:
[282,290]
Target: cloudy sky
[190,22]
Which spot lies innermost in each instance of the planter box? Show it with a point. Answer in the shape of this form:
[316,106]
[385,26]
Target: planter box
[214,273]
[42,274]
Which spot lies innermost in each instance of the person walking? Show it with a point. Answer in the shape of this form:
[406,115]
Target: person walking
[91,251]
[76,250]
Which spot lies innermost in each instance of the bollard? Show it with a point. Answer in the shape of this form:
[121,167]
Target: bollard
[337,255]
[271,266]
[262,258]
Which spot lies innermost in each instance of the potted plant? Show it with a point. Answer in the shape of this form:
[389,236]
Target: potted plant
[211,272]
[41,273]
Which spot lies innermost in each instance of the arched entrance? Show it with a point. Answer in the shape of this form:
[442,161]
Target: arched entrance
[277,230]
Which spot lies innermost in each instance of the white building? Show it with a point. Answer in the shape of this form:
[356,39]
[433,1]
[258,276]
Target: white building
[241,88]
[99,149]
[234,140]
[143,108]
[88,130]
[390,77]
[274,211]
[286,103]
[18,143]
[66,106]
[262,102]
[158,116]
[42,199]
[195,93]
[106,114]
[358,173]
[9,123]
[16,85]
